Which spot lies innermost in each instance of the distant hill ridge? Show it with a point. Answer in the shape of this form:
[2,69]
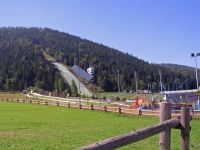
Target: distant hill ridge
[23,64]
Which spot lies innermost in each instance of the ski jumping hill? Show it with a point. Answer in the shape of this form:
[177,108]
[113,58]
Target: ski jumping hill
[68,77]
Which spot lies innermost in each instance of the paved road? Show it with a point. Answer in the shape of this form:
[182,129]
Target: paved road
[67,75]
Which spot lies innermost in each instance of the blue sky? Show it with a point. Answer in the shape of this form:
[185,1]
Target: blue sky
[157,31]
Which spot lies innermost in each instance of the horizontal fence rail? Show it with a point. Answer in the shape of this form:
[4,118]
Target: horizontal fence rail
[160,128]
[115,108]
[132,137]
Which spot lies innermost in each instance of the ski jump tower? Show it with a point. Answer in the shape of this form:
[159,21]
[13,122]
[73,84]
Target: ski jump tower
[91,70]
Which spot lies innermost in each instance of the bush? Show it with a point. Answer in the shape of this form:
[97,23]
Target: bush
[93,96]
[124,99]
[83,96]
[117,98]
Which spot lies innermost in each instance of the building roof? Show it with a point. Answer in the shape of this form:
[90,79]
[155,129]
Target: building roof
[82,73]
[180,91]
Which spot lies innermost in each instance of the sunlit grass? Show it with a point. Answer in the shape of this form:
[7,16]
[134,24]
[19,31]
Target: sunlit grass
[123,95]
[32,126]
[12,95]
[108,95]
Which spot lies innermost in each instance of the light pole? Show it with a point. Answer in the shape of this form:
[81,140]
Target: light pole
[26,87]
[79,92]
[193,55]
[135,81]
[161,84]
[26,81]
[150,86]
[118,80]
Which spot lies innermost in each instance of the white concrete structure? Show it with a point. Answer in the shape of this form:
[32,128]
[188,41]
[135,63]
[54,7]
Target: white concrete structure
[187,96]
[90,70]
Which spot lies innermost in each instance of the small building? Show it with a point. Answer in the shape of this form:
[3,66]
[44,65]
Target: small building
[188,96]
[82,73]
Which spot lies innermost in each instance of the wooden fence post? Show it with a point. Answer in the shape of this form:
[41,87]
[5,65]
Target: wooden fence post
[185,128]
[165,137]
[120,110]
[92,107]
[105,108]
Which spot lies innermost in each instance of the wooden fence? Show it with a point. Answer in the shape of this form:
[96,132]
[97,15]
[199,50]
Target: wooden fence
[115,108]
[121,109]
[163,129]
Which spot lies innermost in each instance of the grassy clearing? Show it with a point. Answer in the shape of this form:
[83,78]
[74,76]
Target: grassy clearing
[122,95]
[12,95]
[31,126]
[100,95]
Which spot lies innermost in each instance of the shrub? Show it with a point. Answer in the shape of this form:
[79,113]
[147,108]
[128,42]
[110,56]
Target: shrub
[117,98]
[83,96]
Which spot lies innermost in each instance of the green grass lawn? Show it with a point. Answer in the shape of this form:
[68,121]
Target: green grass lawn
[122,95]
[32,126]
[12,95]
[108,95]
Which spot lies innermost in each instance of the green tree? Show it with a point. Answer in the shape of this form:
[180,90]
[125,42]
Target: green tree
[61,85]
[141,85]
[74,89]
[8,84]
[155,86]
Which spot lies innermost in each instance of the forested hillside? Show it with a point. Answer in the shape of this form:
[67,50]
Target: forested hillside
[21,56]
[22,63]
[185,70]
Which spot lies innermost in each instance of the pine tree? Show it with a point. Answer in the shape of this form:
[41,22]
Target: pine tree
[74,89]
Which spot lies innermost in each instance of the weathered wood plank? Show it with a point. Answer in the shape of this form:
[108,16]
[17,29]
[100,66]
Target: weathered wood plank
[185,128]
[132,137]
[165,137]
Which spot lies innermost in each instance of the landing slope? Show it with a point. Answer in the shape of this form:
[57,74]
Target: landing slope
[68,76]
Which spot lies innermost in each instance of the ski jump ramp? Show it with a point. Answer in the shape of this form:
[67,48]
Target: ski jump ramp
[68,76]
